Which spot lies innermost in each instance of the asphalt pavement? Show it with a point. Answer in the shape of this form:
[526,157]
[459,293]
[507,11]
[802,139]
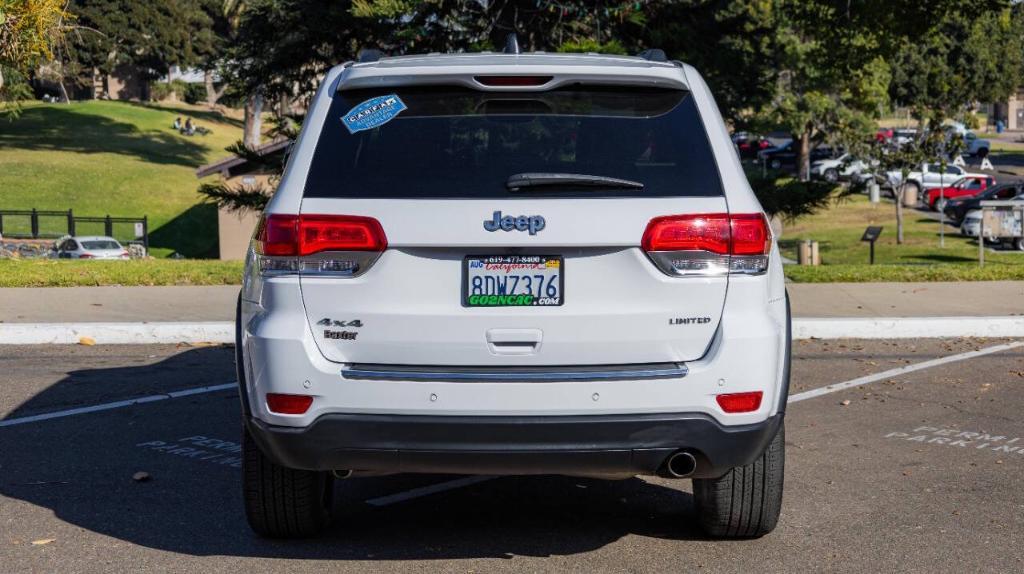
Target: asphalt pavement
[905,469]
[217,303]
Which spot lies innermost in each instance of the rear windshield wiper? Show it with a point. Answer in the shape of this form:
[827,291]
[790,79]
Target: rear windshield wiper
[540,181]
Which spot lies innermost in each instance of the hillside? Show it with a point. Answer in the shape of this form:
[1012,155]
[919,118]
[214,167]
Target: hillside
[116,158]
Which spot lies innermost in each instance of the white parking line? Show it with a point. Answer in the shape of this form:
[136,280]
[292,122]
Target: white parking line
[116,405]
[428,490]
[901,371]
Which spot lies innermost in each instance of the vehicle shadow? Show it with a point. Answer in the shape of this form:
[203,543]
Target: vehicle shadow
[81,469]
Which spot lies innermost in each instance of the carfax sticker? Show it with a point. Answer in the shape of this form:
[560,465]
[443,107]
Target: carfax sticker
[373,113]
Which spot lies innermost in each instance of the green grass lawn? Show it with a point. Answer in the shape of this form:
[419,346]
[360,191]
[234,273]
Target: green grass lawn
[844,257]
[116,158]
[65,273]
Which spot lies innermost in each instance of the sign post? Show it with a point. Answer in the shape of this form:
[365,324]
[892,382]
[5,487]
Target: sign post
[871,235]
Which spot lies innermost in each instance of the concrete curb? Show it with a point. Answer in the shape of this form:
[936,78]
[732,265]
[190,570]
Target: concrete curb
[224,331]
[116,333]
[907,327]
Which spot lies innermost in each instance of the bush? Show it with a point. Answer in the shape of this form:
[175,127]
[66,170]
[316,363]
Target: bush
[191,93]
[195,93]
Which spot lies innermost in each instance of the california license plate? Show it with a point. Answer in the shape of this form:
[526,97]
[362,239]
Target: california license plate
[513,281]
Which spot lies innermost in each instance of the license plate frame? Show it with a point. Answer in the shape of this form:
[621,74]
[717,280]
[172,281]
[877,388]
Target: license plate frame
[513,259]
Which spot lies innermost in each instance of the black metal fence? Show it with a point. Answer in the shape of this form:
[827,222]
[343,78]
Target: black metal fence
[40,224]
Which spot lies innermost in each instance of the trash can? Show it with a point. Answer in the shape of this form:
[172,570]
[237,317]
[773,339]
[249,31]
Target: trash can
[910,196]
[874,192]
[999,126]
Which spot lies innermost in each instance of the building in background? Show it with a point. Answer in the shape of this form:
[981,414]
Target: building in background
[235,229]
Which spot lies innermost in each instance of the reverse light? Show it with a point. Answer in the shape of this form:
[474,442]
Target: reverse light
[288,404]
[740,402]
[334,245]
[706,244]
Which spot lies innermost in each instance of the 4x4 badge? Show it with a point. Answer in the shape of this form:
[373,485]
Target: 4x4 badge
[328,322]
[531,223]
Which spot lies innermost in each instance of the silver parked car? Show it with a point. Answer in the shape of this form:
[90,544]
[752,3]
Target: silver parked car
[91,247]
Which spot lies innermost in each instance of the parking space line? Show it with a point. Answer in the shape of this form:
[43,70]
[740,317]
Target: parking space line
[116,404]
[902,371]
[428,490]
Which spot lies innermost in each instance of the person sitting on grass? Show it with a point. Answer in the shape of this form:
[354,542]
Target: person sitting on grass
[190,128]
[177,124]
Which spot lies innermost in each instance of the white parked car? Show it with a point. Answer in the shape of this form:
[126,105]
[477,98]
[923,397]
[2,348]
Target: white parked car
[841,168]
[514,264]
[973,145]
[91,247]
[971,227]
[931,176]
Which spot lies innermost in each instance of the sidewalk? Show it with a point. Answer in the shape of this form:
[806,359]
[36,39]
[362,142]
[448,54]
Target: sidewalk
[217,303]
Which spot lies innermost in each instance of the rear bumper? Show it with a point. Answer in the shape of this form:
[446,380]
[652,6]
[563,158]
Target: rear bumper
[586,445]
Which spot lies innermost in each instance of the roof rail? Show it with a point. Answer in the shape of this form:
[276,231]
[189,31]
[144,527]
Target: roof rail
[369,55]
[654,55]
[512,44]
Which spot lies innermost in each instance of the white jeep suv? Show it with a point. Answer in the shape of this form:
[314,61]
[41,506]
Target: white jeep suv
[513,263]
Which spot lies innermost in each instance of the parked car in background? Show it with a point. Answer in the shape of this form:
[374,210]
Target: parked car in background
[91,247]
[749,144]
[903,136]
[884,135]
[973,145]
[930,176]
[843,167]
[971,227]
[956,209]
[969,186]
[784,156]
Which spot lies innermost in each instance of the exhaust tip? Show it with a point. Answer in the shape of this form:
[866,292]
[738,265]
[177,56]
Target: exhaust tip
[341,474]
[680,464]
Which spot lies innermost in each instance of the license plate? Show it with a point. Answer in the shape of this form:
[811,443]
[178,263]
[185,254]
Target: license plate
[513,281]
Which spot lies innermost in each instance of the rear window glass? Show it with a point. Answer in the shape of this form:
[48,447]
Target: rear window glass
[101,244]
[453,142]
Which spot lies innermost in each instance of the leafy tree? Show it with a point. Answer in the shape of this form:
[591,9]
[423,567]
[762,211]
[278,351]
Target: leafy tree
[972,56]
[30,31]
[152,36]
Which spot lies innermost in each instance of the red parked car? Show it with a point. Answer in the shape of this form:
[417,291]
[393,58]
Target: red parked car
[749,144]
[964,187]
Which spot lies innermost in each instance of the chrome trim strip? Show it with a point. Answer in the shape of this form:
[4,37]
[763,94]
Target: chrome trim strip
[512,374]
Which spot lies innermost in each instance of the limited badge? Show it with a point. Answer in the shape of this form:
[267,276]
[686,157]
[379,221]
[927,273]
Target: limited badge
[373,113]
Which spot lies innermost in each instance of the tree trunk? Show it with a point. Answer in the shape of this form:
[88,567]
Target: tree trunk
[803,158]
[1,78]
[253,120]
[211,92]
[63,91]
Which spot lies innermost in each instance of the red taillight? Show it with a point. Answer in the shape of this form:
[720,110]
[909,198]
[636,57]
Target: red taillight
[278,234]
[721,233]
[290,235]
[740,402]
[513,80]
[288,404]
[697,232]
[85,256]
[750,234]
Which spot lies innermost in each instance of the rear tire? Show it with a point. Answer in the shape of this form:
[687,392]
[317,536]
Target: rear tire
[746,502]
[283,502]
[831,175]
